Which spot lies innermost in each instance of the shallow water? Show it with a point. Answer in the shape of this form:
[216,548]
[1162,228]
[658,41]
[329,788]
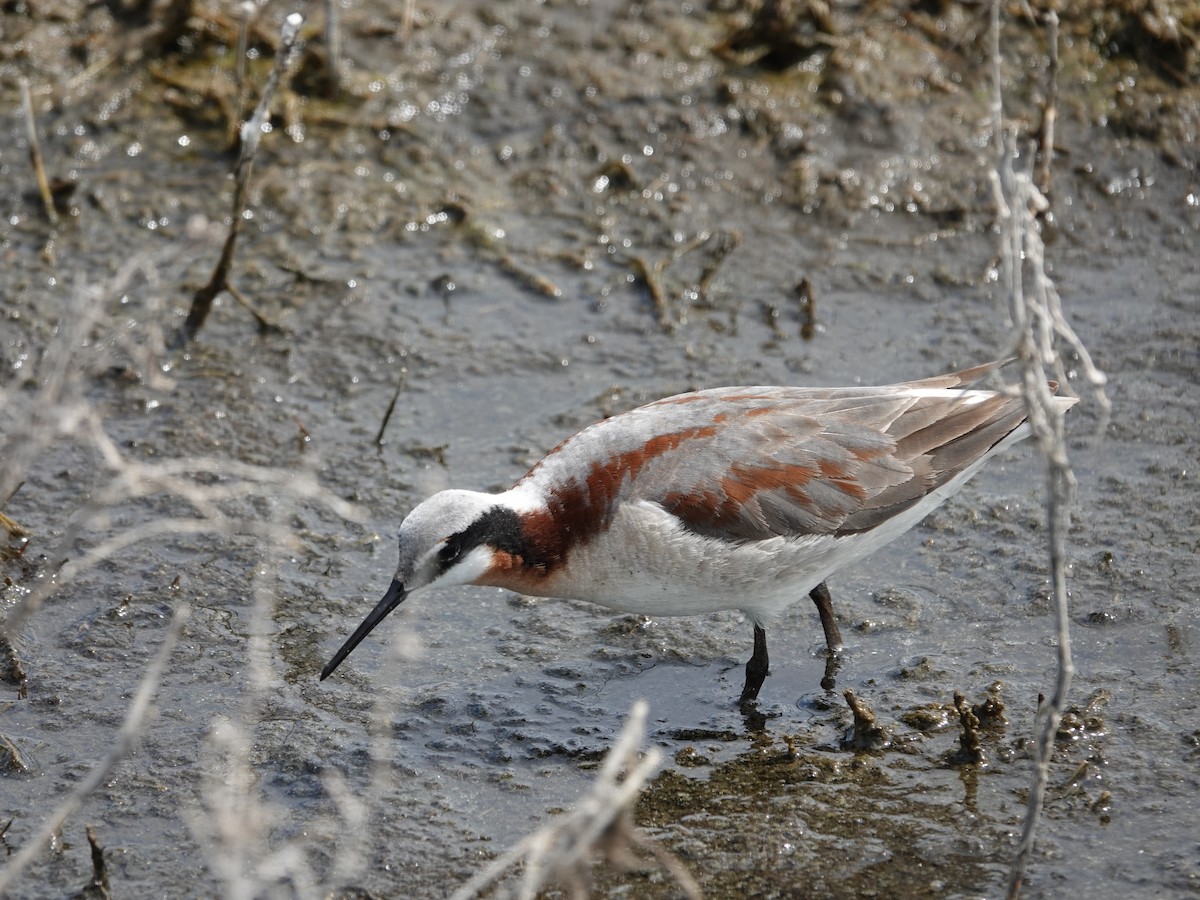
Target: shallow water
[487,712]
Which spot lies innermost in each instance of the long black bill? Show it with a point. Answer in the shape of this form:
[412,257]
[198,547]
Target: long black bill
[394,597]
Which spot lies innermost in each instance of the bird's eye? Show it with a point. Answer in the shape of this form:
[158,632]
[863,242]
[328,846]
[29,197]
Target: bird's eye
[450,553]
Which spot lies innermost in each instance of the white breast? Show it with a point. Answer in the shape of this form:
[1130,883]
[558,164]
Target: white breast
[645,562]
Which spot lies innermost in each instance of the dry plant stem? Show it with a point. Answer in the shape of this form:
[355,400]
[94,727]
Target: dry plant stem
[11,528]
[1038,326]
[406,22]
[562,850]
[387,414]
[35,154]
[55,409]
[265,326]
[1048,432]
[175,477]
[59,411]
[333,49]
[650,277]
[237,829]
[239,826]
[12,493]
[99,883]
[251,137]
[124,741]
[355,830]
[246,8]
[1050,109]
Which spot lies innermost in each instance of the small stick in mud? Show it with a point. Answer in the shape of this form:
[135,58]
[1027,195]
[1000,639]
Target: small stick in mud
[98,886]
[869,734]
[35,154]
[265,326]
[649,275]
[487,242]
[303,437]
[251,135]
[246,10]
[721,243]
[387,414]
[333,50]
[1045,135]
[808,309]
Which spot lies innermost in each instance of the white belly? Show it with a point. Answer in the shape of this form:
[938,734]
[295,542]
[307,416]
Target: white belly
[646,563]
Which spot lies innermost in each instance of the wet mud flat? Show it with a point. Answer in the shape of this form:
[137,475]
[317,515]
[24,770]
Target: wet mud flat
[522,218]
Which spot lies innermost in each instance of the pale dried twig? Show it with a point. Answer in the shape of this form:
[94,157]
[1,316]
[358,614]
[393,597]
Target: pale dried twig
[333,48]
[1039,326]
[214,490]
[246,11]
[178,478]
[128,733]
[562,850]
[1050,107]
[237,826]
[35,154]
[58,411]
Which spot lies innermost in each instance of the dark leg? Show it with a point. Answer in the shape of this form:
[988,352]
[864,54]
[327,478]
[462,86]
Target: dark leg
[756,668]
[833,665]
[833,637]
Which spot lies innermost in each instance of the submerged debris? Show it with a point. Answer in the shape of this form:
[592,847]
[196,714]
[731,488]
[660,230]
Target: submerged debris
[781,34]
[11,670]
[928,718]
[12,762]
[970,742]
[1161,37]
[1077,723]
[990,710]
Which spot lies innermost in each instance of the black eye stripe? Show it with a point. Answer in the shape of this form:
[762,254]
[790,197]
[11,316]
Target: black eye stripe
[451,551]
[499,527]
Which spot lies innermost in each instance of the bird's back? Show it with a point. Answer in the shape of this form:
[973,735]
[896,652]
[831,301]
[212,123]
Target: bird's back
[750,463]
